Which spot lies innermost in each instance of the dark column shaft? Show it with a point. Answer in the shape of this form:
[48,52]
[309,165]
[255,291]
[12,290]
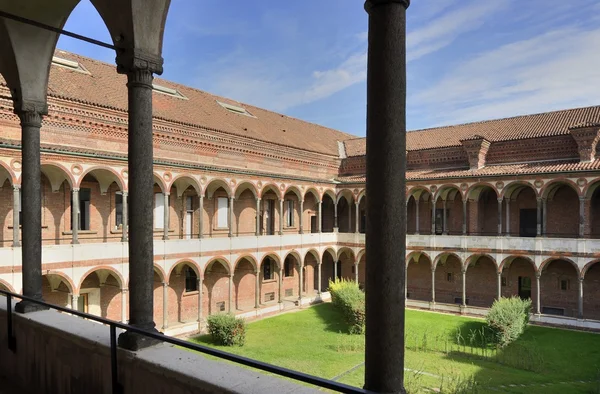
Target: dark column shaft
[386,188]
[141,190]
[31,203]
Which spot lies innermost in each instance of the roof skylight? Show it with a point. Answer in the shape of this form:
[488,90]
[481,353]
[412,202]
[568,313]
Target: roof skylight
[235,109]
[168,91]
[70,64]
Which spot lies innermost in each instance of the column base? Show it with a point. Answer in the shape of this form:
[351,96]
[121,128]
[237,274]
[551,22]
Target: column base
[16,244]
[133,341]
[432,305]
[28,307]
[336,229]
[165,238]
[463,309]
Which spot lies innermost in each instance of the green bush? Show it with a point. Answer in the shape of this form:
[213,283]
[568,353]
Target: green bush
[227,330]
[350,299]
[508,318]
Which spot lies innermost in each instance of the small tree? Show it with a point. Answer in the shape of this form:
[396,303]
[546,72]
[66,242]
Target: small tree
[227,330]
[508,318]
[350,299]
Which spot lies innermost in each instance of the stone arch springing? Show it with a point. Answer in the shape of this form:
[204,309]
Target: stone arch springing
[58,288]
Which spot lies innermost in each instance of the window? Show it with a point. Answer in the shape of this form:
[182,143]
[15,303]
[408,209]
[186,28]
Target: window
[565,284]
[450,277]
[168,91]
[119,208]
[83,223]
[235,109]
[221,306]
[69,64]
[288,269]
[289,213]
[191,279]
[267,269]
[83,303]
[503,281]
[222,212]
[159,210]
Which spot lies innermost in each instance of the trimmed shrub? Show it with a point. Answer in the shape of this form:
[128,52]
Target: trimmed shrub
[508,318]
[350,299]
[227,330]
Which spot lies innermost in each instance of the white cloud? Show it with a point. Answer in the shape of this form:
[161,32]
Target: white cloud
[554,70]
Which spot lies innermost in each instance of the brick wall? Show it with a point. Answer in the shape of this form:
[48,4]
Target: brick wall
[526,199]
[447,288]
[562,216]
[480,281]
[418,285]
[518,268]
[591,293]
[551,293]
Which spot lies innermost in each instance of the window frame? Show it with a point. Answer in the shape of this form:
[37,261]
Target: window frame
[289,213]
[268,269]
[189,276]
[226,215]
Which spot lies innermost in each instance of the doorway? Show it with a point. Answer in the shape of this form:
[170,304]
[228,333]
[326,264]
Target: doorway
[313,224]
[524,287]
[189,217]
[528,222]
[270,217]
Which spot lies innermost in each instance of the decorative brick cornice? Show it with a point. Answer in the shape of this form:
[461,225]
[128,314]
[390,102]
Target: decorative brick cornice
[586,135]
[476,149]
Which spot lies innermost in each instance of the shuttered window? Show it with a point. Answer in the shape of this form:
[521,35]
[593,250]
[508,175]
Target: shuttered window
[159,210]
[222,212]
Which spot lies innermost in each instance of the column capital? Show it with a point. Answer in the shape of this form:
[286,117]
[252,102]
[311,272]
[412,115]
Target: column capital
[133,60]
[124,290]
[167,193]
[580,279]
[30,112]
[124,193]
[371,4]
[500,199]
[540,199]
[582,198]
[16,187]
[75,189]
[199,279]
[258,199]
[538,274]
[165,284]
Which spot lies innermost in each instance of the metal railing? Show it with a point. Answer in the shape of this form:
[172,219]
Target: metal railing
[113,325]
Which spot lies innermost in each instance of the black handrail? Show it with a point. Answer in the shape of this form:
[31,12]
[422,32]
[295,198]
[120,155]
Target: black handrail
[113,325]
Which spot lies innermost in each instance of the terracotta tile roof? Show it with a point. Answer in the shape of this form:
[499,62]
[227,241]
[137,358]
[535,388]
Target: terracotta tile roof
[516,128]
[104,87]
[493,170]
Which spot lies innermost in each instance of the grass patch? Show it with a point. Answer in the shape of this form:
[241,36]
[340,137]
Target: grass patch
[315,341]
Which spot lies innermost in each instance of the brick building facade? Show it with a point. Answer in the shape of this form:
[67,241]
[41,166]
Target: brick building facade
[256,211]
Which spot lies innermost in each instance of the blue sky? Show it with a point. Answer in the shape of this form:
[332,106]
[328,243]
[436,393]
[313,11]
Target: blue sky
[468,60]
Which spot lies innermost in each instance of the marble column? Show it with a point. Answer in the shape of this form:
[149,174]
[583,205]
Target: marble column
[464,225]
[281,216]
[357,218]
[124,306]
[464,287]
[257,231]
[544,211]
[507,216]
[386,191]
[75,302]
[581,217]
[539,217]
[257,289]
[335,217]
[75,216]
[433,285]
[500,216]
[166,214]
[165,305]
[320,219]
[230,217]
[445,218]
[356,272]
[417,216]
[125,214]
[580,299]
[230,307]
[319,278]
[16,206]
[349,217]
[301,216]
[433,204]
[201,216]
[301,283]
[499,282]
[538,309]
[200,302]
[280,284]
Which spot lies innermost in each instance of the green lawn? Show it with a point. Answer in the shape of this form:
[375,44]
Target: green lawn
[314,341]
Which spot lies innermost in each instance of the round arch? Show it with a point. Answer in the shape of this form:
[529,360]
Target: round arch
[314,192]
[270,187]
[160,182]
[296,255]
[248,257]
[516,187]
[273,256]
[343,250]
[118,276]
[360,196]
[7,285]
[246,185]
[190,263]
[360,254]
[216,183]
[314,253]
[161,273]
[330,193]
[413,254]
[417,192]
[510,259]
[56,173]
[590,188]
[550,188]
[549,260]
[295,190]
[331,252]
[445,190]
[68,282]
[475,190]
[474,257]
[183,181]
[587,267]
[347,194]
[221,260]
[437,259]
[105,176]
[8,173]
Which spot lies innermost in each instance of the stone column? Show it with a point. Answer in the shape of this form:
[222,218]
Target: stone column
[538,309]
[433,285]
[356,272]
[507,216]
[301,215]
[300,287]
[319,278]
[281,216]
[124,306]
[31,203]
[230,310]
[74,301]
[16,224]
[166,214]
[581,217]
[258,216]
[417,216]
[280,287]
[349,217]
[335,217]
[201,216]
[165,306]
[320,219]
[230,222]
[124,233]
[500,216]
[75,216]
[580,300]
[445,219]
[539,217]
[544,210]
[499,285]
[464,288]
[200,291]
[433,203]
[335,271]
[357,218]
[139,71]
[386,191]
[464,226]
[406,282]
[257,289]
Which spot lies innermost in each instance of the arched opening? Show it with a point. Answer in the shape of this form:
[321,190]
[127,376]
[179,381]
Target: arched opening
[449,211]
[345,265]
[311,211]
[518,278]
[418,277]
[57,188]
[344,211]
[559,288]
[482,211]
[270,210]
[291,211]
[58,290]
[291,275]
[216,283]
[186,206]
[217,209]
[310,278]
[6,210]
[327,268]
[418,212]
[269,279]
[158,281]
[448,279]
[591,292]
[327,213]
[593,219]
[362,214]
[481,281]
[362,271]
[100,294]
[244,210]
[522,200]
[183,293]
[562,211]
[244,282]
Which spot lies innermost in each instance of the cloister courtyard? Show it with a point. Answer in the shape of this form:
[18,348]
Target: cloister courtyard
[442,351]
